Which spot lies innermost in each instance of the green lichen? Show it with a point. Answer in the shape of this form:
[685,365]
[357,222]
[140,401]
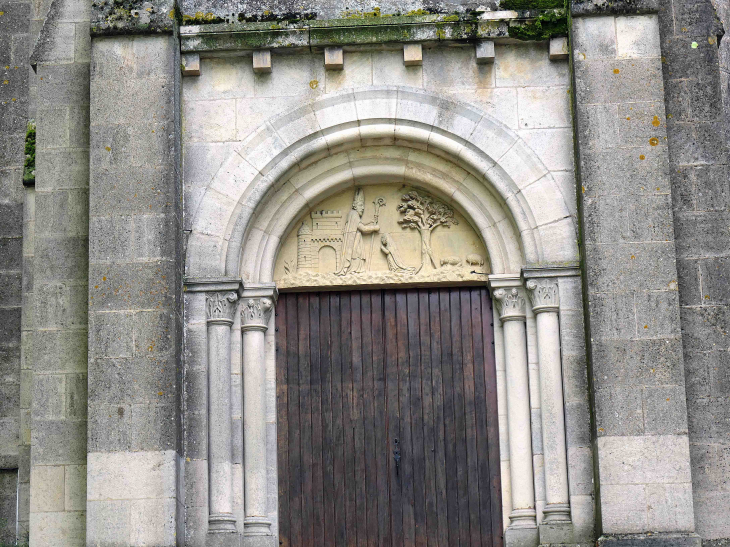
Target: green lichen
[29,166]
[545,26]
[201,18]
[451,18]
[419,12]
[354,14]
[518,5]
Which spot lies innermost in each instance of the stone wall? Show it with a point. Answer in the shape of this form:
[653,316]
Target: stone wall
[700,180]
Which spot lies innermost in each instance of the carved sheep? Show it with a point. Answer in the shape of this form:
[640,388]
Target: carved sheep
[474,260]
[451,261]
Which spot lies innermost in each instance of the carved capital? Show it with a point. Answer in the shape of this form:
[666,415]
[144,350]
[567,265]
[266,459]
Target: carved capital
[510,304]
[220,306]
[255,313]
[543,294]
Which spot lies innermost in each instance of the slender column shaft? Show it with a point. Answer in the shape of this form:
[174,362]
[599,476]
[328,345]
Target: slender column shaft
[255,314]
[220,308]
[511,306]
[544,296]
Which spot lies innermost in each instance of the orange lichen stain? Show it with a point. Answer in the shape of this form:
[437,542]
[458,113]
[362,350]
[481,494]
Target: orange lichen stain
[658,189]
[96,286]
[712,39]
[667,398]
[684,29]
[655,122]
[6,82]
[633,257]
[642,157]
[103,278]
[616,71]
[108,149]
[707,297]
[583,188]
[653,141]
[628,118]
[159,393]
[646,326]
[601,429]
[314,84]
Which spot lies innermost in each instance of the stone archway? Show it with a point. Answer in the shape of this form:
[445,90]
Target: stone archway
[377,135]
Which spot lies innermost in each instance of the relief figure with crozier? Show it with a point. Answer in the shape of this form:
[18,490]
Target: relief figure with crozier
[353,250]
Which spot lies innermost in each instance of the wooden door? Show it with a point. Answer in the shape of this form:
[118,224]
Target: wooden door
[387,419]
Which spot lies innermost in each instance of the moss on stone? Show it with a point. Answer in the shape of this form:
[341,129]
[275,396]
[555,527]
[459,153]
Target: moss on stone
[29,165]
[547,25]
[519,5]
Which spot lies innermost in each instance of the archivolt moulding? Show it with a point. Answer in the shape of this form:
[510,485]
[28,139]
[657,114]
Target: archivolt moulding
[372,136]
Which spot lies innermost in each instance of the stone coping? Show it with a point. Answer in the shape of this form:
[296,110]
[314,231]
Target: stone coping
[341,32]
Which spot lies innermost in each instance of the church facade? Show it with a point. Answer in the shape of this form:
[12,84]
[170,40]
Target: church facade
[422,273]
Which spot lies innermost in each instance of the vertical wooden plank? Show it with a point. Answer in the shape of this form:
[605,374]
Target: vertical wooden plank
[316,398]
[393,417]
[438,419]
[282,421]
[347,425]
[490,377]
[357,420]
[417,457]
[338,433]
[369,398]
[380,417]
[325,349]
[470,425]
[429,443]
[295,454]
[447,367]
[406,440]
[480,406]
[305,418]
[459,417]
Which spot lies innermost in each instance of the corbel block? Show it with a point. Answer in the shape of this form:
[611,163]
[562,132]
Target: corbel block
[485,52]
[558,48]
[334,59]
[190,64]
[412,54]
[262,60]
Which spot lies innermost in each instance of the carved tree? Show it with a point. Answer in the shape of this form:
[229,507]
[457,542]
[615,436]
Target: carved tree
[425,214]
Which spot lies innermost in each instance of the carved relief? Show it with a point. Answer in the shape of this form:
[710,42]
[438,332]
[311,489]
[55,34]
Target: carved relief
[221,306]
[544,294]
[510,304]
[255,312]
[339,243]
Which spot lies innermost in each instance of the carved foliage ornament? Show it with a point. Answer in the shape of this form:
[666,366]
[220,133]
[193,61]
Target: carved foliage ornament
[543,294]
[510,304]
[221,306]
[255,313]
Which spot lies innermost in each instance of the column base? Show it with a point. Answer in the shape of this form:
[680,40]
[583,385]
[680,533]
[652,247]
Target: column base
[650,540]
[217,539]
[256,526]
[221,523]
[260,541]
[521,536]
[556,533]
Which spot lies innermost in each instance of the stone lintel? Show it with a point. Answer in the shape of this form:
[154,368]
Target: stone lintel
[551,271]
[580,8]
[504,281]
[260,290]
[199,284]
[650,540]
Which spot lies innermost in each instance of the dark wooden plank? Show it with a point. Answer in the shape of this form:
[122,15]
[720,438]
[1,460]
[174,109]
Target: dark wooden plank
[347,413]
[358,420]
[438,419]
[447,367]
[305,418]
[338,433]
[459,418]
[429,448]
[282,421]
[295,454]
[406,440]
[472,457]
[328,487]
[490,377]
[369,398]
[417,456]
[380,417]
[393,417]
[480,406]
[316,398]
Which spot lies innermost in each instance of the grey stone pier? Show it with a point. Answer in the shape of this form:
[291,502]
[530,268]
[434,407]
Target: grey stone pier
[256,312]
[220,308]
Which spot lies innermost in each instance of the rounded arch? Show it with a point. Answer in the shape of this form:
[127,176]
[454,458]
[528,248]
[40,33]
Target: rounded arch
[371,136]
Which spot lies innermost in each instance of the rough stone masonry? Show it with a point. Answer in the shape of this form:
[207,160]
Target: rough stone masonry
[156,156]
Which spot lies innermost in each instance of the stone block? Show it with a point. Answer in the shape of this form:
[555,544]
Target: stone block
[665,410]
[212,121]
[611,315]
[63,212]
[109,427]
[221,78]
[153,427]
[110,238]
[637,362]
[56,169]
[75,488]
[704,328]
[412,54]
[618,81]
[60,351]
[131,475]
[695,233]
[598,126]
[76,396]
[58,442]
[60,529]
[152,239]
[637,36]
[525,64]
[52,128]
[452,68]
[109,522]
[110,334]
[47,488]
[650,540]
[485,52]
[623,508]
[357,73]
[154,333]
[619,411]
[657,314]
[594,38]
[140,285]
[333,58]
[295,75]
[558,49]
[660,459]
[190,64]
[624,171]
[152,522]
[555,149]
[670,507]
[521,537]
[49,396]
[64,258]
[64,84]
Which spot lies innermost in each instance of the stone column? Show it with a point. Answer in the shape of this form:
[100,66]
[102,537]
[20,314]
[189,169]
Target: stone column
[522,531]
[220,307]
[257,305]
[543,294]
